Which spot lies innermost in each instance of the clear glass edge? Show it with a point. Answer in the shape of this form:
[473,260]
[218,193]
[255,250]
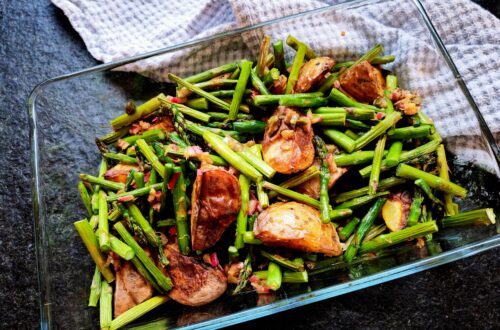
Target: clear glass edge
[301,300]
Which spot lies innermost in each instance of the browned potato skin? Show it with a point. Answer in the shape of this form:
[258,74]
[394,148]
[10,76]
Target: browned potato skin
[286,148]
[363,82]
[312,186]
[195,283]
[119,173]
[131,288]
[216,201]
[312,72]
[296,226]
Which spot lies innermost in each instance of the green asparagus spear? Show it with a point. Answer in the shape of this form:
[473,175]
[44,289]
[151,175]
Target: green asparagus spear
[249,126]
[144,224]
[261,100]
[120,158]
[360,201]
[105,305]
[258,84]
[181,212]
[137,311]
[363,228]
[103,229]
[95,288]
[410,132]
[246,68]
[409,172]
[444,174]
[392,158]
[348,229]
[341,99]
[151,156]
[212,73]
[120,248]
[297,64]
[261,62]
[185,110]
[241,220]
[415,209]
[351,113]
[84,194]
[428,191]
[377,161]
[476,217]
[249,238]
[111,185]
[376,61]
[295,44]
[279,56]
[300,178]
[274,276]
[303,102]
[324,176]
[383,185]
[141,111]
[378,130]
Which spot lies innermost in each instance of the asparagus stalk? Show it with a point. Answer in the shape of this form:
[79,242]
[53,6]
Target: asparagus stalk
[424,149]
[257,162]
[360,201]
[120,248]
[279,56]
[341,99]
[374,232]
[139,179]
[260,100]
[296,264]
[348,229]
[271,76]
[220,116]
[341,140]
[376,61]
[274,276]
[245,273]
[114,136]
[106,306]
[163,281]
[256,150]
[120,158]
[258,84]
[356,124]
[144,224]
[185,110]
[115,214]
[300,178]
[212,73]
[230,156]
[329,119]
[378,130]
[84,194]
[103,229]
[476,217]
[427,190]
[153,178]
[95,288]
[363,228]
[134,193]
[197,104]
[338,214]
[181,212]
[303,102]
[184,92]
[151,156]
[415,209]
[181,153]
[141,111]
[110,185]
[392,158]
[354,158]
[165,223]
[297,64]
[145,273]
[241,220]
[324,177]
[377,161]
[386,240]
[227,93]
[246,68]
[137,311]
[94,219]
[391,82]
[249,238]
[383,185]
[444,174]
[148,136]
[288,276]
[200,91]
[409,172]
[249,126]
[261,62]
[410,132]
[90,241]
[292,194]
[351,113]
[351,134]
[295,44]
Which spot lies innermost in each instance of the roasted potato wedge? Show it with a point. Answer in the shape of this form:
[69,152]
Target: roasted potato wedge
[287,144]
[395,211]
[119,173]
[195,283]
[296,226]
[131,288]
[311,186]
[312,72]
[363,82]
[216,201]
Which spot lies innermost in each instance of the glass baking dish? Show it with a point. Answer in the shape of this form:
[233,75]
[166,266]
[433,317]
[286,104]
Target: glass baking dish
[68,112]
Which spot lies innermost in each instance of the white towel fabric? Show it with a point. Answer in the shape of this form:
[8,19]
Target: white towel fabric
[117,29]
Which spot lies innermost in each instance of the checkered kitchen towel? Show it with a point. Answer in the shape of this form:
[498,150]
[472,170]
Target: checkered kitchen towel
[116,29]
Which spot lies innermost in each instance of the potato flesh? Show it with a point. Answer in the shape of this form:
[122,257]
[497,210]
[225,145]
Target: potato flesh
[296,226]
[287,147]
[119,173]
[131,288]
[394,215]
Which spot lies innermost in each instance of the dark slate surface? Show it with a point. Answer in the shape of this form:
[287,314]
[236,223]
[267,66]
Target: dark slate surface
[37,42]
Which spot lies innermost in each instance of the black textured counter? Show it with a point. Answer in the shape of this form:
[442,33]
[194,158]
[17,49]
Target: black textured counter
[36,43]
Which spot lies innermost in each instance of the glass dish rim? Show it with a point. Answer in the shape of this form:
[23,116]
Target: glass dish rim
[302,299]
